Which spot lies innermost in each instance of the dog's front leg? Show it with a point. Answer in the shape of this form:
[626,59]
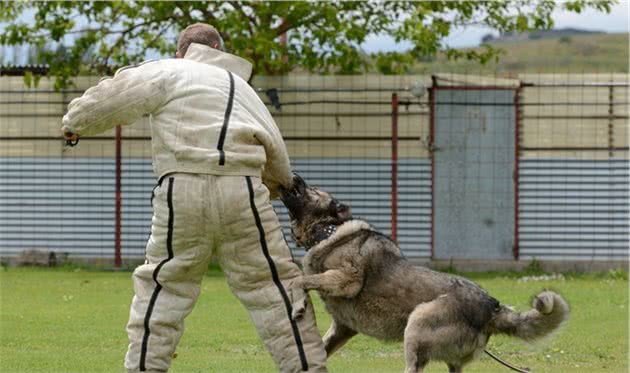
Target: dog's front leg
[336,336]
[334,283]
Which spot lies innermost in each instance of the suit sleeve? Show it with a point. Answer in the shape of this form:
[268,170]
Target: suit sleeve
[121,100]
[277,169]
[277,172]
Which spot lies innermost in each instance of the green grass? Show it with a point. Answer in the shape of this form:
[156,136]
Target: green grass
[72,320]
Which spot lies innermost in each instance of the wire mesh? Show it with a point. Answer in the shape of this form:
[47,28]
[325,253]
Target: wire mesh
[551,152]
[574,167]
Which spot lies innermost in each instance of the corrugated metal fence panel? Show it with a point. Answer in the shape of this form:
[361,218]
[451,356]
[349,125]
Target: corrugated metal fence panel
[574,209]
[137,185]
[365,184]
[67,205]
[569,209]
[62,205]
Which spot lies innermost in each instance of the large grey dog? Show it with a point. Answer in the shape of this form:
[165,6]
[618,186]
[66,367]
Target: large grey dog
[368,287]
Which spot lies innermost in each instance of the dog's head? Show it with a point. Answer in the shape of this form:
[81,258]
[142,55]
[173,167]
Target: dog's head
[310,207]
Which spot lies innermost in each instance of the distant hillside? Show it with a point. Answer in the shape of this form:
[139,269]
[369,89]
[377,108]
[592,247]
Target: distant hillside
[592,53]
[537,34]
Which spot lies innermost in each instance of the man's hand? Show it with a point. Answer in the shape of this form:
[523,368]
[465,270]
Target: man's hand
[71,138]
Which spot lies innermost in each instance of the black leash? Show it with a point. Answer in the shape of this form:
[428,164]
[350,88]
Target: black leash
[521,370]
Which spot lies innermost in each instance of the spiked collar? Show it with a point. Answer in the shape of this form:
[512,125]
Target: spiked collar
[320,234]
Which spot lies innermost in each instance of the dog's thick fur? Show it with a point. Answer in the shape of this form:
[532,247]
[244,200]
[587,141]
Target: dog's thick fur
[368,287]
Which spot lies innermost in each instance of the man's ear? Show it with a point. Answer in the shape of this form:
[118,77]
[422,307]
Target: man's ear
[343,211]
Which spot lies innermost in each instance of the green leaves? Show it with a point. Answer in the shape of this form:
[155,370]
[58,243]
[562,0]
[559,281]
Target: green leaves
[321,36]
[28,77]
[31,80]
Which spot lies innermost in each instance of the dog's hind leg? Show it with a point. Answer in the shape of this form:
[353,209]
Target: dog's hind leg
[416,351]
[336,336]
[454,368]
[415,360]
[420,334]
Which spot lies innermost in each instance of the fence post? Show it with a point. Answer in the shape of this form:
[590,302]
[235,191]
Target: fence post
[515,177]
[395,167]
[432,155]
[118,217]
[611,127]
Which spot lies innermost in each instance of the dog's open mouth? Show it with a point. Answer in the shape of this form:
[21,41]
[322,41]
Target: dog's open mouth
[293,198]
[299,186]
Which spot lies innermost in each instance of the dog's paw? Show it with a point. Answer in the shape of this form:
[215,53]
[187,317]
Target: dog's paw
[299,309]
[297,283]
[298,303]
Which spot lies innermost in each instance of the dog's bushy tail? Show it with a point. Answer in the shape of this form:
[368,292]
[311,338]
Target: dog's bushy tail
[549,311]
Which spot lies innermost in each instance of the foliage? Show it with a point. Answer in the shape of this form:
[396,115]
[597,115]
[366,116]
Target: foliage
[320,36]
[534,268]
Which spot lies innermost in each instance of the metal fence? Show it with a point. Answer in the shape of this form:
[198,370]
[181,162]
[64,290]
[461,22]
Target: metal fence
[573,169]
[451,167]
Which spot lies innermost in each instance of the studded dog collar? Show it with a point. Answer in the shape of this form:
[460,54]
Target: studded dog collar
[320,235]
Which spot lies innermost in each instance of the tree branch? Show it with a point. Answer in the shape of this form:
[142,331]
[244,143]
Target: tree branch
[252,20]
[123,33]
[283,27]
[155,38]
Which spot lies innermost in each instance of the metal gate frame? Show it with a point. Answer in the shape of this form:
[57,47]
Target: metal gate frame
[517,128]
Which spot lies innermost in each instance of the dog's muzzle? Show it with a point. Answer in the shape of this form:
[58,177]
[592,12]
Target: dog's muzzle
[293,198]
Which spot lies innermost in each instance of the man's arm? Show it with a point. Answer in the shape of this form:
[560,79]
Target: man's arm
[277,172]
[121,100]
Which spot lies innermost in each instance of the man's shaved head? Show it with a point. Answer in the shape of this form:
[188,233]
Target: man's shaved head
[201,33]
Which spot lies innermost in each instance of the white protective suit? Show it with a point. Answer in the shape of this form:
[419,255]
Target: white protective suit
[216,151]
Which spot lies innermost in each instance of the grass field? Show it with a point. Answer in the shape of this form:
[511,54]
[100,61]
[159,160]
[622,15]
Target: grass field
[72,320]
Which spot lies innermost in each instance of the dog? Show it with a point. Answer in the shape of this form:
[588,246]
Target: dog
[368,287]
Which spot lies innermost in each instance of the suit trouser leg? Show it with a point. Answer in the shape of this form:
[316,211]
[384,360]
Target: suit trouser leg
[168,284]
[258,266]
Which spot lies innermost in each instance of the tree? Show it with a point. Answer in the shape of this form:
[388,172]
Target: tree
[321,36]
[487,38]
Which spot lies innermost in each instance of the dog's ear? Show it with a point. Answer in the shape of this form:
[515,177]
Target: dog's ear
[343,211]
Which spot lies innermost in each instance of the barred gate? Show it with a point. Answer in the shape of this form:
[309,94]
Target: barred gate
[569,154]
[474,164]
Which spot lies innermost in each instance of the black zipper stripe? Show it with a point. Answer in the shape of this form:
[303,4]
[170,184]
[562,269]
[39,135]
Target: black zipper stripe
[158,185]
[171,219]
[158,286]
[147,317]
[226,121]
[275,277]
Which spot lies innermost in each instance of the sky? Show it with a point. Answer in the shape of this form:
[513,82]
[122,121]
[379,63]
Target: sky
[613,22]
